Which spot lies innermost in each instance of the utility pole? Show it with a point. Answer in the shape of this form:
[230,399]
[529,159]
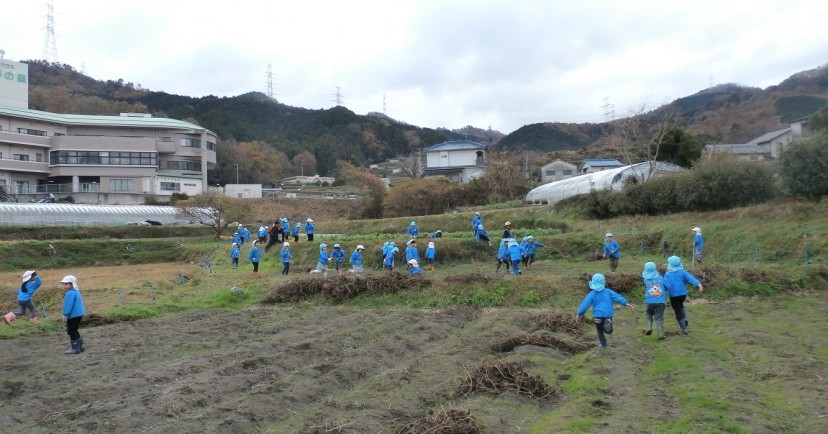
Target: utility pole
[237,173]
[49,45]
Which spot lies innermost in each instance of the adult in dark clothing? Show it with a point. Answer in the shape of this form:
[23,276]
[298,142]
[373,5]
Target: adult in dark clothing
[274,234]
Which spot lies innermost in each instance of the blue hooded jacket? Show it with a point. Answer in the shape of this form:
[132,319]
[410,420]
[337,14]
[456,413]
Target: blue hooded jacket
[600,298]
[235,252]
[412,231]
[655,291]
[612,249]
[286,254]
[503,252]
[338,254]
[309,227]
[73,304]
[31,286]
[676,278]
[356,258]
[515,252]
[255,254]
[411,252]
[295,231]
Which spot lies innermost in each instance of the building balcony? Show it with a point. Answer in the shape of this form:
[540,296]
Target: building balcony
[24,166]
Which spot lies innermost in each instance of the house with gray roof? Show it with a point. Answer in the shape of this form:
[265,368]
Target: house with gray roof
[457,160]
[768,146]
[592,165]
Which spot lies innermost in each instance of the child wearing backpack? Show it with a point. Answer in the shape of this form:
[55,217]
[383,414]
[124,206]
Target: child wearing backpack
[600,299]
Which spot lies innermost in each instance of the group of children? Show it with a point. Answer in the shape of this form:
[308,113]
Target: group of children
[657,289]
[73,310]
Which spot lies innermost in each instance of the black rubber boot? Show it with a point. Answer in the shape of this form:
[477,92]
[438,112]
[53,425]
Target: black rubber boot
[75,349]
[81,345]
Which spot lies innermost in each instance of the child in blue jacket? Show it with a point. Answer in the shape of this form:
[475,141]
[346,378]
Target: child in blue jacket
[356,261]
[236,239]
[338,256]
[676,280]
[235,253]
[262,234]
[388,259]
[254,257]
[600,298]
[503,256]
[612,251]
[431,255]
[412,231]
[655,295]
[411,251]
[530,250]
[476,222]
[414,267]
[322,263]
[286,255]
[698,244]
[31,282]
[73,312]
[295,232]
[515,255]
[309,228]
[482,234]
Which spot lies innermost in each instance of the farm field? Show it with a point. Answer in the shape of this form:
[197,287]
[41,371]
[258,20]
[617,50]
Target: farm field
[748,365]
[171,348]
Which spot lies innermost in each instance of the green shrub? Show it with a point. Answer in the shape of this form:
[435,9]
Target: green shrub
[804,167]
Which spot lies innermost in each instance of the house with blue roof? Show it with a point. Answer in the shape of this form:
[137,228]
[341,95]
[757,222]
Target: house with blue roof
[457,160]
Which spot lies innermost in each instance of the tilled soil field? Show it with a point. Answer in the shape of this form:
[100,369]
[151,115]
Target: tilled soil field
[302,369]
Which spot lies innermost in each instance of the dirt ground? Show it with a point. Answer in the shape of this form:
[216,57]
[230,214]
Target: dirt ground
[301,369]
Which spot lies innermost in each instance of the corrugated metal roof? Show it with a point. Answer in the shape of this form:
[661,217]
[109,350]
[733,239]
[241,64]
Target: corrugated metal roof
[97,120]
[455,145]
[768,136]
[603,162]
[740,149]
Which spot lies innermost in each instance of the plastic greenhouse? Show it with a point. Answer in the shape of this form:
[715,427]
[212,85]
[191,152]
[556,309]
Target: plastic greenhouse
[62,214]
[613,179]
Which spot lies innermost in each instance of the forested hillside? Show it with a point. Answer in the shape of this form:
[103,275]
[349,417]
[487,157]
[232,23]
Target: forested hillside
[284,140]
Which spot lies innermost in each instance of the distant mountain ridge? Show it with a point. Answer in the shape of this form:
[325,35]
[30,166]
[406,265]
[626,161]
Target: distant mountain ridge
[725,113]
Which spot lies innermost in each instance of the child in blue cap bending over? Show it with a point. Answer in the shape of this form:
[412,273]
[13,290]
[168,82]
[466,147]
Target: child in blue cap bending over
[601,298]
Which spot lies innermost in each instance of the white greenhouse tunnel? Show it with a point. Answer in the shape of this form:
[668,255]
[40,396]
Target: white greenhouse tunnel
[613,179]
[64,214]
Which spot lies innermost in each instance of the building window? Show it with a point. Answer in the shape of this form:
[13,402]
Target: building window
[172,165]
[59,134]
[21,157]
[163,139]
[550,173]
[170,186]
[191,143]
[39,157]
[211,146]
[31,132]
[120,185]
[567,172]
[104,158]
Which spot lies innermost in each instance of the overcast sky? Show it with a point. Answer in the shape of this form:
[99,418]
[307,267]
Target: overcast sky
[440,63]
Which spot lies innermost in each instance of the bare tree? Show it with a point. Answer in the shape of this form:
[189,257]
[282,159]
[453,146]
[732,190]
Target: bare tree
[638,137]
[212,208]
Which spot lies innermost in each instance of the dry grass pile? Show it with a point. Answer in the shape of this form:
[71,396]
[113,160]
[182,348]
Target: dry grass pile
[470,278]
[496,377]
[95,320]
[618,282]
[594,256]
[559,322]
[541,340]
[341,288]
[446,422]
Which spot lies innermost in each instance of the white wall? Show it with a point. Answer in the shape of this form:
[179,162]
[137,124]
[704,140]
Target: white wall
[243,190]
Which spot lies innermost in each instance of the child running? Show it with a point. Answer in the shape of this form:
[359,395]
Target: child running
[482,235]
[31,282]
[612,251]
[676,280]
[515,255]
[655,295]
[503,256]
[322,264]
[338,256]
[356,261]
[601,298]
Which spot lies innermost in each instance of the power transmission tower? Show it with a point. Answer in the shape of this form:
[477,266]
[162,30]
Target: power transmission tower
[383,104]
[269,82]
[338,96]
[49,45]
[609,110]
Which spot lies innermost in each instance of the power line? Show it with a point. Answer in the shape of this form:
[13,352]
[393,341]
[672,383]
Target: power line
[49,45]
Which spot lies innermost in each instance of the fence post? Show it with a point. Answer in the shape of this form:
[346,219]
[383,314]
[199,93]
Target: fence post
[152,290]
[806,251]
[664,248]
[43,309]
[756,253]
[641,248]
[120,296]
